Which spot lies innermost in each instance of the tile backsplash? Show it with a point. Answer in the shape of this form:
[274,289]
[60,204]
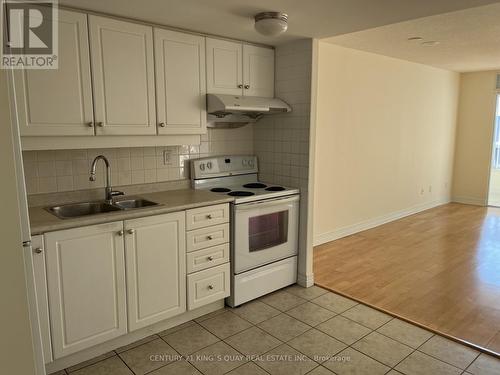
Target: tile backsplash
[68,170]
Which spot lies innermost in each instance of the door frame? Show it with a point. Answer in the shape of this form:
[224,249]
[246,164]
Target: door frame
[496,97]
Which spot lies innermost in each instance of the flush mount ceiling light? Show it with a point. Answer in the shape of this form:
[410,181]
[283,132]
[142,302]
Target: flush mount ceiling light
[430,43]
[415,38]
[271,23]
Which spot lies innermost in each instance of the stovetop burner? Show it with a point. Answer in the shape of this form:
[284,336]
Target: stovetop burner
[275,188]
[241,193]
[255,185]
[220,190]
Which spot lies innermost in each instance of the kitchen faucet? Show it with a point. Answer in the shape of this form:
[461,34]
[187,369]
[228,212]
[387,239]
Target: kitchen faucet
[109,190]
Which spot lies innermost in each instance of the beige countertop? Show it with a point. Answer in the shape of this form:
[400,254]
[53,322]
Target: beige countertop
[42,221]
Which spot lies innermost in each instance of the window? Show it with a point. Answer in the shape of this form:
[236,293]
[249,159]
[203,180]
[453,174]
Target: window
[496,138]
[267,231]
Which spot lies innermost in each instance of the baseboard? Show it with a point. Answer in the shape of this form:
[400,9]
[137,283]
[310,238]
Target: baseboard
[375,222]
[470,200]
[305,280]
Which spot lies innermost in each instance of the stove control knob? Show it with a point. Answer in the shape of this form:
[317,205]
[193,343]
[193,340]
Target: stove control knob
[202,167]
[244,162]
[250,163]
[209,165]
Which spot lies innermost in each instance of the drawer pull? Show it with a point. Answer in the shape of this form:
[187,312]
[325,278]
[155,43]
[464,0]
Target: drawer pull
[210,287]
[210,217]
[38,250]
[210,258]
[210,237]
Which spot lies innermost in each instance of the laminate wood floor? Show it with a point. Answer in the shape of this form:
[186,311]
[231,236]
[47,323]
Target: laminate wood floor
[439,268]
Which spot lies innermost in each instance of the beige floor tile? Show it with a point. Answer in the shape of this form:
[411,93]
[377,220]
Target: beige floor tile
[225,325]
[176,368]
[284,327]
[320,370]
[367,316]
[334,302]
[282,300]
[310,313]
[394,372]
[135,344]
[449,351]
[405,333]
[149,356]
[485,365]
[255,311]
[110,366]
[421,364]
[62,372]
[249,368]
[253,341]
[190,339]
[306,293]
[211,315]
[343,329]
[317,345]
[352,362]
[382,348]
[284,360]
[216,359]
[90,362]
[176,328]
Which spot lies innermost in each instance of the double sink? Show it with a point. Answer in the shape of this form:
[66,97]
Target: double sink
[75,210]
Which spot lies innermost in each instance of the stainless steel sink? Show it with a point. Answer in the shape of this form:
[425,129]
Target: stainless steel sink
[128,204]
[73,210]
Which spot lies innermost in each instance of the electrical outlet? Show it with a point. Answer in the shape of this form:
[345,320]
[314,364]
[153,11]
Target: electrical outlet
[167,158]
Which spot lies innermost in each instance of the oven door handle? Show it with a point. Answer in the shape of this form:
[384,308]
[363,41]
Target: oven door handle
[267,203]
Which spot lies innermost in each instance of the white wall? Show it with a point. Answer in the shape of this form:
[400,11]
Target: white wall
[475,126]
[385,134]
[16,350]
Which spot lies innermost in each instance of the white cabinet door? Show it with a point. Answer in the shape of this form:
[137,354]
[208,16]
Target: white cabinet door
[86,284]
[224,67]
[156,268]
[123,77]
[59,101]
[180,82]
[258,71]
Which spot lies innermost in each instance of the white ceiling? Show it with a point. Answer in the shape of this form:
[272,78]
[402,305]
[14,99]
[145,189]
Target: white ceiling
[307,18]
[469,40]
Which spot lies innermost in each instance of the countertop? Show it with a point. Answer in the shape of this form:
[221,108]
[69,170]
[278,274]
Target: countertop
[42,221]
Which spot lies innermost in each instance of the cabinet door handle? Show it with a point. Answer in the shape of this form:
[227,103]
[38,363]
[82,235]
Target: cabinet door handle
[162,124]
[240,86]
[90,124]
[247,86]
[210,287]
[131,231]
[120,233]
[38,250]
[100,124]
[210,258]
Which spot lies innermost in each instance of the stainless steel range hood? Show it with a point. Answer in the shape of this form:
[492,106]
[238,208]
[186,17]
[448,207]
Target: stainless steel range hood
[233,110]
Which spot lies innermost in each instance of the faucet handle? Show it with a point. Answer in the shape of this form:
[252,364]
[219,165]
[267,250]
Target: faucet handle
[115,193]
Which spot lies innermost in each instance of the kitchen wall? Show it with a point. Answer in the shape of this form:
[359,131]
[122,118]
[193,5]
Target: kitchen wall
[385,134]
[475,126]
[68,170]
[281,142]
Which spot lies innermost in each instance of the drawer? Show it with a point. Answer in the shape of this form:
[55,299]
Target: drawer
[206,237]
[207,216]
[206,258]
[208,286]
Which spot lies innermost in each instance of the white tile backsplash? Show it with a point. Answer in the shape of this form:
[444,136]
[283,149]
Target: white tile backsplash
[67,170]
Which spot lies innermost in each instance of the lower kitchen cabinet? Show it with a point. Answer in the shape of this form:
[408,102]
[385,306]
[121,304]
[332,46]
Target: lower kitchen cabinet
[208,286]
[155,249]
[86,284]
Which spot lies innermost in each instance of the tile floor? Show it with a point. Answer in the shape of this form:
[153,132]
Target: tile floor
[293,331]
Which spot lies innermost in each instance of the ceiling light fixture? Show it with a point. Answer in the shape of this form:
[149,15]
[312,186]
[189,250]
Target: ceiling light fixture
[430,43]
[415,38]
[271,23]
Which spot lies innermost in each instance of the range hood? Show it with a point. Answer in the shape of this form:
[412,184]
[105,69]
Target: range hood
[224,110]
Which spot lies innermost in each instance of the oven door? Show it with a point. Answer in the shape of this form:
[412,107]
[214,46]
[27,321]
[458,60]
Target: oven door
[264,232]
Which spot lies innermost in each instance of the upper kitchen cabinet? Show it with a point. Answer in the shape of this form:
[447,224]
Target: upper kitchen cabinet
[258,71]
[239,69]
[59,101]
[224,67]
[123,77]
[180,82]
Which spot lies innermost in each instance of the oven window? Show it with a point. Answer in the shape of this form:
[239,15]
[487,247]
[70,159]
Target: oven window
[267,231]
